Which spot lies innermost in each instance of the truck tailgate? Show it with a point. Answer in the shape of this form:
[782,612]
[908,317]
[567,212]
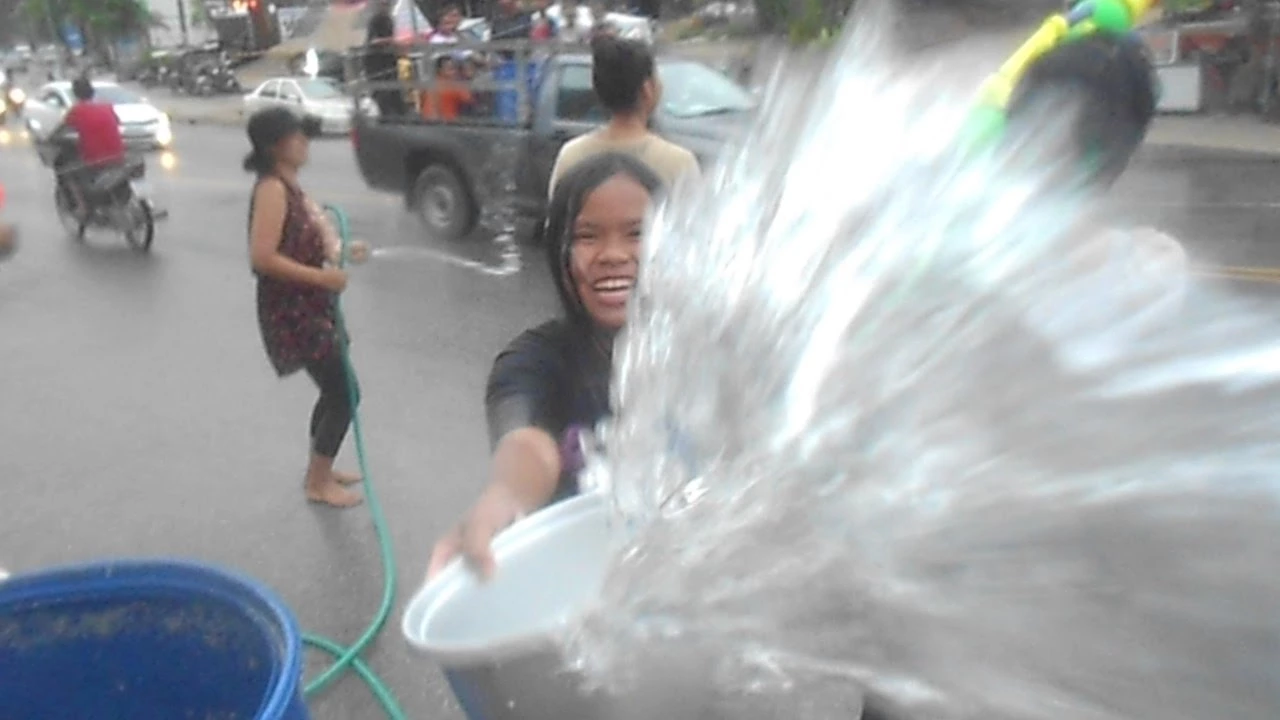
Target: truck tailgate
[490,159]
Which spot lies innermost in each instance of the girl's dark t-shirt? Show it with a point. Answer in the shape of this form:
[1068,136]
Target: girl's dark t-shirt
[554,377]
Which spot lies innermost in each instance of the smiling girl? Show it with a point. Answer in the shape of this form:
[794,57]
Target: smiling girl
[552,381]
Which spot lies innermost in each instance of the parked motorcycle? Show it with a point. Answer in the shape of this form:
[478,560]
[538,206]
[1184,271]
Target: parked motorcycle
[225,81]
[149,76]
[172,78]
[117,197]
[199,82]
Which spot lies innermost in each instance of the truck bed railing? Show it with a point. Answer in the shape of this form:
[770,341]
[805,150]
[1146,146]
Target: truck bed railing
[505,71]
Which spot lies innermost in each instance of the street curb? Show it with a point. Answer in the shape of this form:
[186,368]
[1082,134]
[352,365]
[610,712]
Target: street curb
[234,118]
[1173,151]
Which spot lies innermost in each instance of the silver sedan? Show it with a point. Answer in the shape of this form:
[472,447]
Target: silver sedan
[317,98]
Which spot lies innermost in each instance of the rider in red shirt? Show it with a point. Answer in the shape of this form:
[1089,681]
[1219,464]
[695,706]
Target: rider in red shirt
[100,142]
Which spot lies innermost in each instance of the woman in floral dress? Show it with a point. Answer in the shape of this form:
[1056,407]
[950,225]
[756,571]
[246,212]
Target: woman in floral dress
[293,254]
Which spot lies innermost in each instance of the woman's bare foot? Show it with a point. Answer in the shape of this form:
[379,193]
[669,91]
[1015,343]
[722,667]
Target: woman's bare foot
[333,494]
[343,478]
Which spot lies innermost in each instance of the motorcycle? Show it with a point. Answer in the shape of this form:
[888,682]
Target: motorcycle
[148,77]
[117,198]
[198,81]
[225,81]
[172,78]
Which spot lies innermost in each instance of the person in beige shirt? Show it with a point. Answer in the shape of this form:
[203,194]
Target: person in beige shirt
[624,76]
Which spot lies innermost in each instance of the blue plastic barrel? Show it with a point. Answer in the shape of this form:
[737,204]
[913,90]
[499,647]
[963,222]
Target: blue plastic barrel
[138,639]
[508,100]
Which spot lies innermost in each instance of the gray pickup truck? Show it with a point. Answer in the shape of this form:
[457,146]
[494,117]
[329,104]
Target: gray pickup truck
[449,173]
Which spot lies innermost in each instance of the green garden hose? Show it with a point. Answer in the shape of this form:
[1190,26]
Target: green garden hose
[348,658]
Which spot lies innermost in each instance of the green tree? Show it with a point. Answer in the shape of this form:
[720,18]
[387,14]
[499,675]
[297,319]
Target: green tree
[199,13]
[100,20]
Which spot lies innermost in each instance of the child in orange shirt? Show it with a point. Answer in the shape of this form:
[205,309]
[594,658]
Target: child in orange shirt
[447,100]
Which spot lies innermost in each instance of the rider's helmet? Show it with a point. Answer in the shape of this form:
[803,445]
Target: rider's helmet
[82,89]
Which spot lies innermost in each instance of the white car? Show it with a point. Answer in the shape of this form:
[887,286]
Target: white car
[629,27]
[318,98]
[632,27]
[142,124]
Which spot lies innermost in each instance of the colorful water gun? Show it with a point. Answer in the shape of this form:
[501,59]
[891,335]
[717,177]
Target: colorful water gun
[1115,17]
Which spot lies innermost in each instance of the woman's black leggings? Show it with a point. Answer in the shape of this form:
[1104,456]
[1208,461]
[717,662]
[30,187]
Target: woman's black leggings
[332,414]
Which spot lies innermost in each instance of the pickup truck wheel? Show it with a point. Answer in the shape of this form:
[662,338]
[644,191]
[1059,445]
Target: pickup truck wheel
[442,203]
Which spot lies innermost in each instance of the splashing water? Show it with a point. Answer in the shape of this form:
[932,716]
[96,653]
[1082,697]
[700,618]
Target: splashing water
[311,63]
[878,428]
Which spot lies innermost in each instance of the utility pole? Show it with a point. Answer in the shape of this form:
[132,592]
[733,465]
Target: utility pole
[57,36]
[182,22]
[53,24]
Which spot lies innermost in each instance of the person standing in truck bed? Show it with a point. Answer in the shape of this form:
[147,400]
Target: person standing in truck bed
[624,77]
[380,61]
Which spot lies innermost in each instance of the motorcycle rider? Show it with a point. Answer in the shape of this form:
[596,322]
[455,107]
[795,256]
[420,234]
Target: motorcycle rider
[100,144]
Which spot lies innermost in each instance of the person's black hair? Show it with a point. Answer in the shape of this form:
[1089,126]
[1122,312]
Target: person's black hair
[619,70]
[266,128]
[82,88]
[1112,80]
[448,8]
[571,192]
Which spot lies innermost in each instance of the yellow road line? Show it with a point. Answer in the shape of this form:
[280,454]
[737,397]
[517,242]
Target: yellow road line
[1270,275]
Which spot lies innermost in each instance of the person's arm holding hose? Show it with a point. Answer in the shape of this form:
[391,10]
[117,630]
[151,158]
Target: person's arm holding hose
[270,202]
[356,251]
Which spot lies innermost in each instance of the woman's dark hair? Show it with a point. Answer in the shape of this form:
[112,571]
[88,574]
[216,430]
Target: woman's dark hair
[570,195]
[619,69]
[259,162]
[1113,80]
[82,88]
[266,128]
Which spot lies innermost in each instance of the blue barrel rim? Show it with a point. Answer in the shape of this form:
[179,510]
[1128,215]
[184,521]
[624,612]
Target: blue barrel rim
[106,579]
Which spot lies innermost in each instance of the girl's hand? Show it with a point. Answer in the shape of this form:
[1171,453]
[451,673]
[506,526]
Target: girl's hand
[333,279]
[496,509]
[359,252]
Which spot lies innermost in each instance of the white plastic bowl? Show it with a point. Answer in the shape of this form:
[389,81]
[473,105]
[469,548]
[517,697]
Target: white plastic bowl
[550,565]
[497,640]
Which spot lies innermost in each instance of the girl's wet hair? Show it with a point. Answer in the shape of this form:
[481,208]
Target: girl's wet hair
[619,70]
[1112,80]
[570,195]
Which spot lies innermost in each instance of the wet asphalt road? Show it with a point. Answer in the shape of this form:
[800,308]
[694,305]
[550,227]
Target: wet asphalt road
[141,417]
[1224,207]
